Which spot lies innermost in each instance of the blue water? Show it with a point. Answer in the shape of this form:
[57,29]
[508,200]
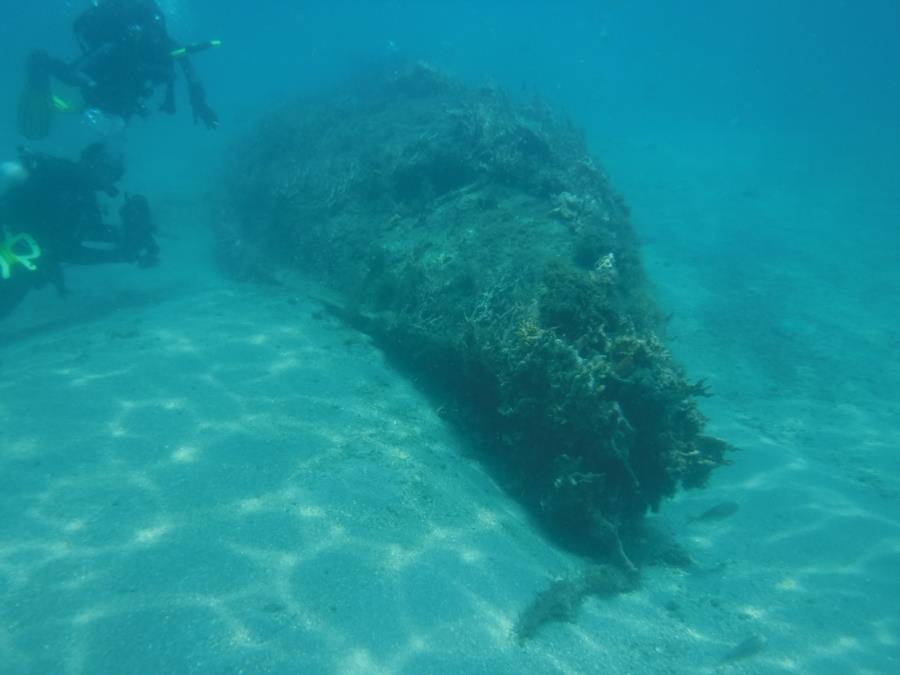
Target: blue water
[758,146]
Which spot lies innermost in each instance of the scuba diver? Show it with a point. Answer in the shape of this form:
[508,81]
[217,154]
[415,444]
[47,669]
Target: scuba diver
[126,53]
[51,216]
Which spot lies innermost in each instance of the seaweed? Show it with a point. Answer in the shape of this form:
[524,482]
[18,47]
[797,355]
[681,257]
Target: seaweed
[479,242]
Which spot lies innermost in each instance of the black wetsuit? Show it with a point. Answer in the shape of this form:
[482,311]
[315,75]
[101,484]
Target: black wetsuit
[126,53]
[58,206]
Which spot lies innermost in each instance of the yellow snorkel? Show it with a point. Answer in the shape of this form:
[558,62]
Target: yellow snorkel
[194,48]
[17,249]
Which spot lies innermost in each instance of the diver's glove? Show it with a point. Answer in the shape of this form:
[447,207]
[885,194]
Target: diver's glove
[202,111]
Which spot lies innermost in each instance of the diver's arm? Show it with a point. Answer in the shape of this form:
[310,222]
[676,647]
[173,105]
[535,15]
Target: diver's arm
[116,247]
[86,255]
[168,104]
[197,95]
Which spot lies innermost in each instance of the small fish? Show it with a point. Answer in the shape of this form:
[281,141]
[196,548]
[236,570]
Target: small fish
[752,646]
[717,512]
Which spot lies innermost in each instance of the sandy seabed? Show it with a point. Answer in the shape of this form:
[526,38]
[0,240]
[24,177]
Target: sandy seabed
[232,482]
[217,478]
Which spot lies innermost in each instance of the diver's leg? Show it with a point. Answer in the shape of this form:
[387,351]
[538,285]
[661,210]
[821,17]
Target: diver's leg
[42,66]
